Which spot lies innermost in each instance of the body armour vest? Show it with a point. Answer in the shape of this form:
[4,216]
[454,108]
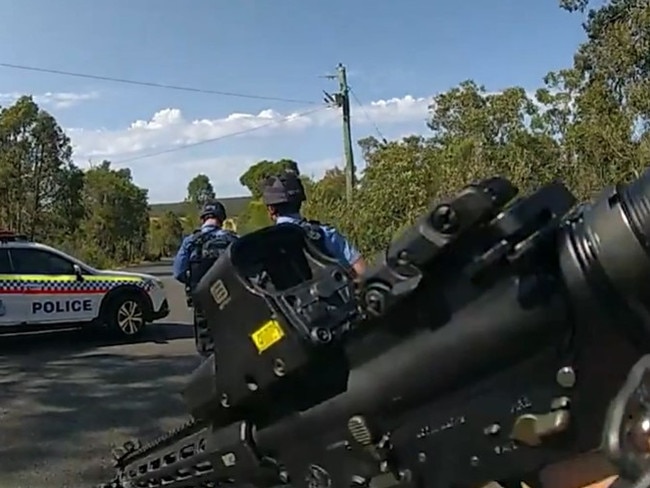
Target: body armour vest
[315,233]
[205,250]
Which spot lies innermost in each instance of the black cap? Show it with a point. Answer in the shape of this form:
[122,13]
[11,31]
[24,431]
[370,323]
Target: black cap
[285,187]
[214,209]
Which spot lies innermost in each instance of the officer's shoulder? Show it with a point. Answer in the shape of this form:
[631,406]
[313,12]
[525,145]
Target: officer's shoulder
[189,238]
[228,233]
[327,228]
[316,223]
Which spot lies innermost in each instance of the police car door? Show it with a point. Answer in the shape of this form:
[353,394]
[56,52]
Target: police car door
[12,301]
[52,289]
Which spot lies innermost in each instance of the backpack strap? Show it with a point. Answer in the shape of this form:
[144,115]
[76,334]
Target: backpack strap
[196,239]
[313,229]
[225,236]
[228,236]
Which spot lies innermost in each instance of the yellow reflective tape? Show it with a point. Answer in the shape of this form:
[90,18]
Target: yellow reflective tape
[112,278]
[50,278]
[268,334]
[65,278]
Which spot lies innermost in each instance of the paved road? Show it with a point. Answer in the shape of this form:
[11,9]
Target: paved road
[66,398]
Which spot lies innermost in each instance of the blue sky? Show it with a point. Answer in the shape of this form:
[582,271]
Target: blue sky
[398,54]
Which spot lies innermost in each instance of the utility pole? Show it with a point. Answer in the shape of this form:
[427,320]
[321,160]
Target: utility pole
[342,100]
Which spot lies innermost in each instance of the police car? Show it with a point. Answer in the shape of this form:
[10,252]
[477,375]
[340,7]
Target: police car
[42,287]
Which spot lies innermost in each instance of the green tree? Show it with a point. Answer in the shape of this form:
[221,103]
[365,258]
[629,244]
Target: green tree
[67,204]
[155,240]
[326,197]
[475,134]
[165,235]
[587,124]
[253,217]
[612,102]
[172,233]
[99,215]
[200,190]
[35,171]
[257,173]
[331,187]
[399,180]
[117,217]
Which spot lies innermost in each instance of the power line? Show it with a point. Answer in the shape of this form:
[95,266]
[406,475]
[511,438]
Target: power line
[215,139]
[153,84]
[365,113]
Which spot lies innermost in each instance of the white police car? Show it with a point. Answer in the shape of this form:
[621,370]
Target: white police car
[42,287]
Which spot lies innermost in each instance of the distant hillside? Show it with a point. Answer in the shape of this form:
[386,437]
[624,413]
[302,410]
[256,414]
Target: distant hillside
[234,206]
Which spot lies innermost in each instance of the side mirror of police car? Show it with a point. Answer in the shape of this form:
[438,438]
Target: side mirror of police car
[77,271]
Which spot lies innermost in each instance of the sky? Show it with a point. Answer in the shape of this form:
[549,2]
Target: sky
[398,56]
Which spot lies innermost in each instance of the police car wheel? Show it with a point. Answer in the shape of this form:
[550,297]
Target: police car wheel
[127,316]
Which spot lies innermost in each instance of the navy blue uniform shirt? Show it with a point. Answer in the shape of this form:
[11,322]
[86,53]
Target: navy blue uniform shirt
[337,245]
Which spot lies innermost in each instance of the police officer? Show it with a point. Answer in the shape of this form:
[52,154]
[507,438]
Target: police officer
[283,195]
[196,254]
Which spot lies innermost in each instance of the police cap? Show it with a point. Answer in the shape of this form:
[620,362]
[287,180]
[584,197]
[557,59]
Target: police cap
[213,209]
[285,187]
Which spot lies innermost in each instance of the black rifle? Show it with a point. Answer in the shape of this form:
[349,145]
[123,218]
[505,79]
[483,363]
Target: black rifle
[485,343]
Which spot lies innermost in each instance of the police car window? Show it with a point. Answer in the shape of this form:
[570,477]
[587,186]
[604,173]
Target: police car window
[36,261]
[5,264]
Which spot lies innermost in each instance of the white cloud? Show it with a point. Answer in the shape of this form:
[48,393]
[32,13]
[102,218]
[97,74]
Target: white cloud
[166,175]
[169,128]
[397,110]
[57,100]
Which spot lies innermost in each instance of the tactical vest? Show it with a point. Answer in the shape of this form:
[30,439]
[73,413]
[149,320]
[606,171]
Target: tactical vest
[314,231]
[205,249]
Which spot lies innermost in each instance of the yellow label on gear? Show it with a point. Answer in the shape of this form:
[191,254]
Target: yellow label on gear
[267,335]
